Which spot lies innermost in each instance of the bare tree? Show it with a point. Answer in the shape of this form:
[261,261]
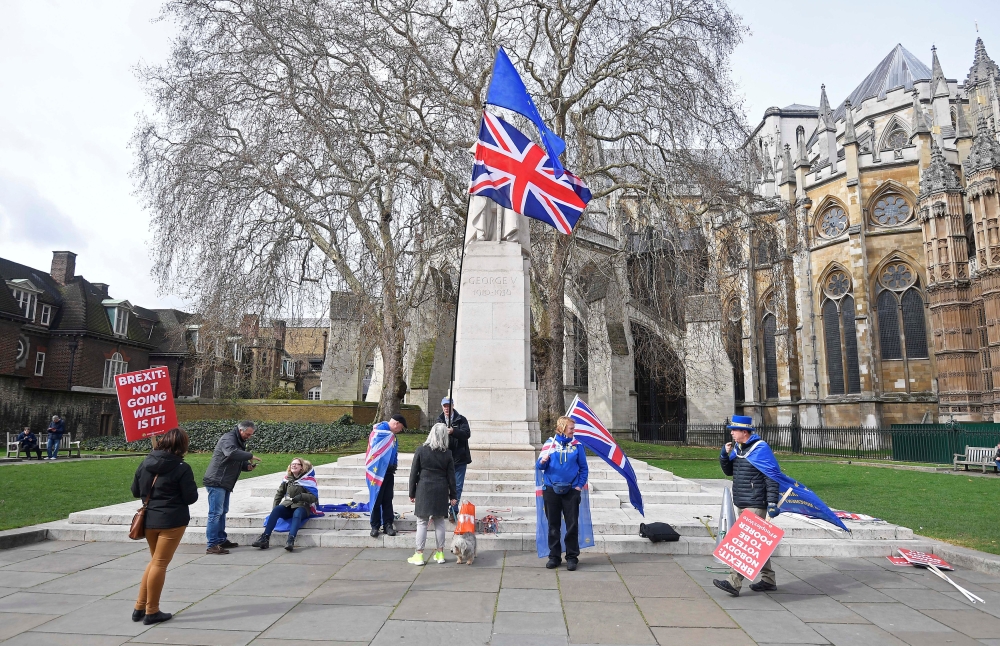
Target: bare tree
[314,142]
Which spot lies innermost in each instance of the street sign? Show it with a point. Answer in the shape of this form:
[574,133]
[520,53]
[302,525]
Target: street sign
[748,544]
[147,403]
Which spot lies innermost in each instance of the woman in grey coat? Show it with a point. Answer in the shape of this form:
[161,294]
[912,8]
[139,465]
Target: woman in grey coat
[432,489]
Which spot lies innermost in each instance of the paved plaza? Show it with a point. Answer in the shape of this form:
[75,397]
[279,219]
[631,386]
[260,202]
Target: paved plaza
[82,594]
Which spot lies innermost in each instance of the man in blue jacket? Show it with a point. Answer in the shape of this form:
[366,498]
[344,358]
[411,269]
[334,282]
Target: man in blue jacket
[28,442]
[563,463]
[751,490]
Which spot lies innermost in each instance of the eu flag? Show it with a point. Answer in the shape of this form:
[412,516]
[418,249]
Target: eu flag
[507,91]
[802,500]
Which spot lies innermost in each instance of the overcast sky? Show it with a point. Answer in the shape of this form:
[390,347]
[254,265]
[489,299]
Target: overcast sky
[68,100]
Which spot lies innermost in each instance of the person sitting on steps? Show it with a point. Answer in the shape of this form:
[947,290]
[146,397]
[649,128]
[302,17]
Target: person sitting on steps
[292,502]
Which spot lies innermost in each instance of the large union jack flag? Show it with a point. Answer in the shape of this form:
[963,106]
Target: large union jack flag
[380,454]
[589,429]
[516,174]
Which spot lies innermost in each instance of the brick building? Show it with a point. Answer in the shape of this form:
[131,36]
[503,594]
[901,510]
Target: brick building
[63,339]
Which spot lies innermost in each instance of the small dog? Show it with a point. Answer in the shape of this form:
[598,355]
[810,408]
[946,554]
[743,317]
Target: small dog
[464,547]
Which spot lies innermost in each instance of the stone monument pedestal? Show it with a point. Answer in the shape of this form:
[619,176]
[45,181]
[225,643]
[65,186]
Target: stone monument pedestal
[493,387]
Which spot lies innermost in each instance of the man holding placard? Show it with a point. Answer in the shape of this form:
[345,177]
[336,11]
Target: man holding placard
[752,491]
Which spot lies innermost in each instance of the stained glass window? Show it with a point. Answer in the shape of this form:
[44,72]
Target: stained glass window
[888,326]
[833,223]
[770,357]
[896,140]
[850,345]
[897,276]
[914,325]
[837,284]
[834,357]
[891,209]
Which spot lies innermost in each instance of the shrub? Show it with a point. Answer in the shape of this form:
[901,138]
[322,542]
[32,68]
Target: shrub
[270,437]
[282,393]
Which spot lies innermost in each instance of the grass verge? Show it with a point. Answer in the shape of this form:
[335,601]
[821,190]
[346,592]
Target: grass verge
[69,485]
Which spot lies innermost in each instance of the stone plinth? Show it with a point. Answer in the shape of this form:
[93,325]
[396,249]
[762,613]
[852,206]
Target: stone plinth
[493,386]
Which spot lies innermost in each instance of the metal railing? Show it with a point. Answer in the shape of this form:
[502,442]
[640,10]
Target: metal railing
[928,443]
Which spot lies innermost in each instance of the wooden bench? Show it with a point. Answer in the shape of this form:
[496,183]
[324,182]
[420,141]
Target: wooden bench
[66,446]
[979,456]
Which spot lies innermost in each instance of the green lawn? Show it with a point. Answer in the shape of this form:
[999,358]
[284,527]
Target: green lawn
[952,508]
[39,493]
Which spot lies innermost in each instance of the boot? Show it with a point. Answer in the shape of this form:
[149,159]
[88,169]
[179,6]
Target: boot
[263,541]
[390,530]
[156,618]
[289,543]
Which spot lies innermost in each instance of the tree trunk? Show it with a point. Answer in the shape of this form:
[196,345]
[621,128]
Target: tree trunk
[551,346]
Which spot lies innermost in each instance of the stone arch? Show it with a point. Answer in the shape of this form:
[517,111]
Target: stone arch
[832,226]
[885,190]
[888,141]
[901,325]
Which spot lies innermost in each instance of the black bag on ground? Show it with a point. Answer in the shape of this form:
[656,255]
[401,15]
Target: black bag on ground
[657,532]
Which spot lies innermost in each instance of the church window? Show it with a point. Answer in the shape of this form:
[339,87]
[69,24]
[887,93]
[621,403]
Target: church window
[901,320]
[891,209]
[896,140]
[769,327]
[840,335]
[767,248]
[833,222]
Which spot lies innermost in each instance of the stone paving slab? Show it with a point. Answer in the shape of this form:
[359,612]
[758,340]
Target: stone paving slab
[343,596]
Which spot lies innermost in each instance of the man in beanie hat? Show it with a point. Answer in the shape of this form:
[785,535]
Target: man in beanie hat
[381,511]
[751,490]
[458,443]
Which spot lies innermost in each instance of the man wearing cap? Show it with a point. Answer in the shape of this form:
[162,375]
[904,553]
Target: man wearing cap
[381,512]
[751,490]
[458,443]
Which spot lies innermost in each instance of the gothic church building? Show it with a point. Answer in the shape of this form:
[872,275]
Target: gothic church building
[867,292]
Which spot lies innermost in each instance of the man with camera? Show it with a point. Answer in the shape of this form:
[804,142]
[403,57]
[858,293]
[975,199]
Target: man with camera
[228,461]
[751,490]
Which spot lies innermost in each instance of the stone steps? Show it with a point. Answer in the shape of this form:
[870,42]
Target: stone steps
[509,494]
[514,484]
[615,543]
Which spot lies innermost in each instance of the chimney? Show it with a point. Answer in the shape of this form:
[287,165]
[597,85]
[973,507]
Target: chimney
[278,328]
[63,267]
[103,288]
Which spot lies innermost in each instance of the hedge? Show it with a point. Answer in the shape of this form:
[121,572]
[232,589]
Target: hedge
[270,437]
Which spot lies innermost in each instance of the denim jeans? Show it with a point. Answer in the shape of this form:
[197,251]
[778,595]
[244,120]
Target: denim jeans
[218,507]
[52,447]
[459,483]
[296,516]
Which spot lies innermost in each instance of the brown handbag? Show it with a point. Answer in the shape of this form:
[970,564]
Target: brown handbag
[137,531]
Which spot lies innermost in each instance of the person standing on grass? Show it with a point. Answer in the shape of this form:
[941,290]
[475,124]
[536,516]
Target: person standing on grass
[55,431]
[432,489]
[383,456]
[228,461]
[28,442]
[458,443]
[166,482]
[751,490]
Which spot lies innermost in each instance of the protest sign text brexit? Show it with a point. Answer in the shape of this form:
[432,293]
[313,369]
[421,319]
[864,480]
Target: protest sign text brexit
[748,544]
[147,403]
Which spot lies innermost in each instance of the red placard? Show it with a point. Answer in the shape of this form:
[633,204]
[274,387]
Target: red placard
[147,403]
[899,560]
[748,544]
[922,558]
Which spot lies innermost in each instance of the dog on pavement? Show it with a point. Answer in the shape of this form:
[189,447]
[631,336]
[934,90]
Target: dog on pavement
[464,547]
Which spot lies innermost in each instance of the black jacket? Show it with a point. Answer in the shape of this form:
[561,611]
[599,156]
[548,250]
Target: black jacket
[751,488]
[27,441]
[432,482]
[229,459]
[458,441]
[175,489]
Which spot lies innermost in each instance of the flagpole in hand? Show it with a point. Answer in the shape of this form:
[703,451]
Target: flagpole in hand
[780,503]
